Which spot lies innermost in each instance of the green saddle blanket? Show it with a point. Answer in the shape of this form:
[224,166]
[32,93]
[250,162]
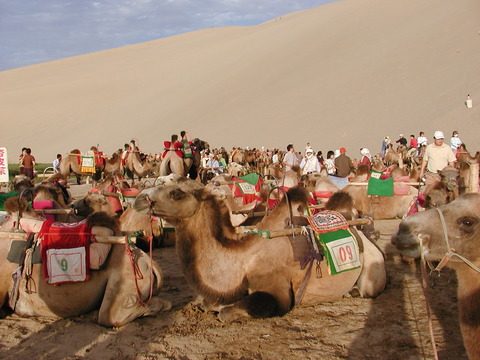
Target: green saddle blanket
[379,187]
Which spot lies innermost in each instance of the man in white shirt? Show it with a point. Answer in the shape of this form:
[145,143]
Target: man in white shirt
[290,159]
[437,156]
[56,163]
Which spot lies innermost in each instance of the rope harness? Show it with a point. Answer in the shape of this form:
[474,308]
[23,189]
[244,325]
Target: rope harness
[137,273]
[445,259]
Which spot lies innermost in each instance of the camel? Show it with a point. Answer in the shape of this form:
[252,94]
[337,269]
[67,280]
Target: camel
[71,164]
[120,296]
[247,275]
[235,169]
[381,207]
[172,163]
[451,233]
[135,166]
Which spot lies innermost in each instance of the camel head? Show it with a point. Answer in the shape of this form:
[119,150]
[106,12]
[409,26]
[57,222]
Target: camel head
[93,203]
[462,229]
[172,202]
[450,176]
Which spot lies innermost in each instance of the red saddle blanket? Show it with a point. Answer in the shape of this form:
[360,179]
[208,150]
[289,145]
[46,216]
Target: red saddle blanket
[65,251]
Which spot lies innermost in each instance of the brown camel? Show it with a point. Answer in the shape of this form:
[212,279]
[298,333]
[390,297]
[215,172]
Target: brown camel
[244,275]
[451,232]
[114,290]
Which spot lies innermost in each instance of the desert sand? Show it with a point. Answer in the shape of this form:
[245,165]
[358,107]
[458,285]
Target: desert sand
[392,326]
[345,74]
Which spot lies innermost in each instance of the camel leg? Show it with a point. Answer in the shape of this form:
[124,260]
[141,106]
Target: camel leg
[164,167]
[373,278]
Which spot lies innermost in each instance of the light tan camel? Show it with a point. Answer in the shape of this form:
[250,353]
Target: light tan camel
[453,230]
[113,290]
[243,275]
[174,164]
[72,164]
[381,207]
[135,166]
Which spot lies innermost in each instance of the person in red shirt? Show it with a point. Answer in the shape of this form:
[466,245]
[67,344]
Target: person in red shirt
[413,146]
[28,163]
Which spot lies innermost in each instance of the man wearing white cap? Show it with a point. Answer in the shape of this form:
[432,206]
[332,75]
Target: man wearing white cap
[437,155]
[309,162]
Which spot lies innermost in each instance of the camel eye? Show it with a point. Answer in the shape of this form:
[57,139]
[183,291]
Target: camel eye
[467,224]
[177,194]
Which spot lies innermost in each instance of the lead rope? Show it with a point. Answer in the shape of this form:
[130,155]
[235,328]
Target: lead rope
[427,303]
[137,274]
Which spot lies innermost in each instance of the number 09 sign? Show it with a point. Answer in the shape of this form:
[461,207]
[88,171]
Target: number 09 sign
[342,251]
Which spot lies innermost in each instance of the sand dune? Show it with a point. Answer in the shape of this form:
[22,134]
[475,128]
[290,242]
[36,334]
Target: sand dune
[341,75]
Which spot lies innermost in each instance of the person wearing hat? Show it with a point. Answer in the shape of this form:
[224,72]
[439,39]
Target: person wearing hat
[436,157]
[366,157]
[344,166]
[402,140]
[213,165]
[309,162]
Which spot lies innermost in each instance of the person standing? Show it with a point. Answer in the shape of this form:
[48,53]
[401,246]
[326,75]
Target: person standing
[320,158]
[385,143]
[344,166]
[275,157]
[290,158]
[436,157]
[330,163]
[56,163]
[309,163]
[21,168]
[28,163]
[455,141]
[469,102]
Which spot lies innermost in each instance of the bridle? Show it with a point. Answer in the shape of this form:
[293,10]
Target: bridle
[450,250]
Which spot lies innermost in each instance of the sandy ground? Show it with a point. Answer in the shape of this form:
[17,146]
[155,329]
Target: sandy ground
[394,325]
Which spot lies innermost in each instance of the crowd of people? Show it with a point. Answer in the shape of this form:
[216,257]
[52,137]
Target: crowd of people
[338,164]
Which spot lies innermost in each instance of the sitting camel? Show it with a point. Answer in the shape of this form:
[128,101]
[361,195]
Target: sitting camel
[244,275]
[451,233]
[114,288]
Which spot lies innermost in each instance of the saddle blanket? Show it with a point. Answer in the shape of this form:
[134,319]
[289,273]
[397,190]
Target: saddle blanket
[65,251]
[379,187]
[341,250]
[88,164]
[327,221]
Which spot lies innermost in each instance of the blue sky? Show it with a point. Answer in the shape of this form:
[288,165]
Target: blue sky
[35,31]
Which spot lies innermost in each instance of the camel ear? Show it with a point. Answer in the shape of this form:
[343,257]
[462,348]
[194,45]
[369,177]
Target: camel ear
[201,194]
